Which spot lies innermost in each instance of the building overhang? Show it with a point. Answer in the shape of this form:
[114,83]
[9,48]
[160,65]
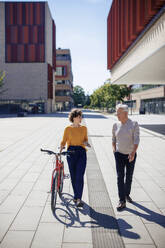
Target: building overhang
[144,62]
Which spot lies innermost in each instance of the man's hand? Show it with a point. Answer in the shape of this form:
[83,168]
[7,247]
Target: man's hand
[131,156]
[113,147]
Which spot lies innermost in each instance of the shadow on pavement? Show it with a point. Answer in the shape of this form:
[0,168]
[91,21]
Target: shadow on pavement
[149,215]
[86,114]
[93,116]
[158,128]
[52,115]
[71,218]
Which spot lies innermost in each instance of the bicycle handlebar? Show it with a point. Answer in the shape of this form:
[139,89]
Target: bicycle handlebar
[57,153]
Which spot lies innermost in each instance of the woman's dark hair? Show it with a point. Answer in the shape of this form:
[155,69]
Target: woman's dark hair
[74,113]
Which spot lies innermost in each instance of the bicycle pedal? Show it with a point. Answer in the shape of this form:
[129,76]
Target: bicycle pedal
[66,176]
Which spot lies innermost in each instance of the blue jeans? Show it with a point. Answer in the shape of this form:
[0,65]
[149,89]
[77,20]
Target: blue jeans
[77,165]
[124,178]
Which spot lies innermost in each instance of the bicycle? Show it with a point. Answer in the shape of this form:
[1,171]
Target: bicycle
[57,179]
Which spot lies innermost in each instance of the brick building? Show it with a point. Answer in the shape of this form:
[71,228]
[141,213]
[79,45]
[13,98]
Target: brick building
[27,55]
[64,80]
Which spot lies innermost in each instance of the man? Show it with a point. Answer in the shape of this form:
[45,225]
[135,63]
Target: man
[125,140]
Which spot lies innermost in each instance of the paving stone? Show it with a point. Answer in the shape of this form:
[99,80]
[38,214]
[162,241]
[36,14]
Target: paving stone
[5,171]
[77,235]
[8,184]
[139,246]
[42,185]
[133,230]
[3,195]
[27,219]
[48,235]
[139,194]
[149,213]
[77,245]
[30,177]
[36,198]
[22,188]
[17,173]
[17,239]
[47,215]
[158,234]
[5,222]
[12,204]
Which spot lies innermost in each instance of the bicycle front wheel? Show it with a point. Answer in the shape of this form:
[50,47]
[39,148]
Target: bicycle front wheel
[54,192]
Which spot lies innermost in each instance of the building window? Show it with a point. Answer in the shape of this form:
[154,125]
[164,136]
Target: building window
[63,57]
[131,104]
[59,82]
[61,71]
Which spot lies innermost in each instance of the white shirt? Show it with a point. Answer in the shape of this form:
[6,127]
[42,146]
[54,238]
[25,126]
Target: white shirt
[125,136]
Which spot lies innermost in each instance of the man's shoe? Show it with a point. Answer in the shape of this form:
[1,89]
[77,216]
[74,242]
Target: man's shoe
[129,199]
[121,206]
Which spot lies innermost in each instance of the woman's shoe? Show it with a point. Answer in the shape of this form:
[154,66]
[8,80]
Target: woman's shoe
[74,200]
[79,203]
[121,206]
[129,199]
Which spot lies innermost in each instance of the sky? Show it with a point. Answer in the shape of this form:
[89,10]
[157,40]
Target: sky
[81,26]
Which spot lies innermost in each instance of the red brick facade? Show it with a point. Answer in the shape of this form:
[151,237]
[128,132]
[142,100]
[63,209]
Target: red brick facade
[25,32]
[126,20]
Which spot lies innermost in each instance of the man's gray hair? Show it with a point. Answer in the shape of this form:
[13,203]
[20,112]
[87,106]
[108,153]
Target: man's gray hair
[124,107]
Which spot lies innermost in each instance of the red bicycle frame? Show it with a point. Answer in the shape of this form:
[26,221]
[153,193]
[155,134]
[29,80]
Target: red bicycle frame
[59,165]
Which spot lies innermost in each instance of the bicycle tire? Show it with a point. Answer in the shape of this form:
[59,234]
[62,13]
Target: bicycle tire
[61,181]
[54,192]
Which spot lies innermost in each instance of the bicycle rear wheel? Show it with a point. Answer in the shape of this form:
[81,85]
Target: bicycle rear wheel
[61,181]
[54,192]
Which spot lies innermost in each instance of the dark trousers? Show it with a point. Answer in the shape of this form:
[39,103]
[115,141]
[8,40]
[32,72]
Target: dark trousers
[124,170]
[77,165]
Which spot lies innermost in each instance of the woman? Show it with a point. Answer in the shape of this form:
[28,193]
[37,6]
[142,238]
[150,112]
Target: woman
[76,138]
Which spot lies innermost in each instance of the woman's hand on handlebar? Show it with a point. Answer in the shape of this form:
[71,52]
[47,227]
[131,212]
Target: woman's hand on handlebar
[61,148]
[86,144]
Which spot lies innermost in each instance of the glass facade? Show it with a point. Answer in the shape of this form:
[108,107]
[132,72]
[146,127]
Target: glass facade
[16,106]
[142,87]
[154,106]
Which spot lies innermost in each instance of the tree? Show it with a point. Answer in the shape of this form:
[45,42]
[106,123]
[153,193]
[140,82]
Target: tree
[2,76]
[78,96]
[107,95]
[87,100]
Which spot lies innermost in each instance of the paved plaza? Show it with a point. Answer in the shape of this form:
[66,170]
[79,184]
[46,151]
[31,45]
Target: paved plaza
[26,219]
